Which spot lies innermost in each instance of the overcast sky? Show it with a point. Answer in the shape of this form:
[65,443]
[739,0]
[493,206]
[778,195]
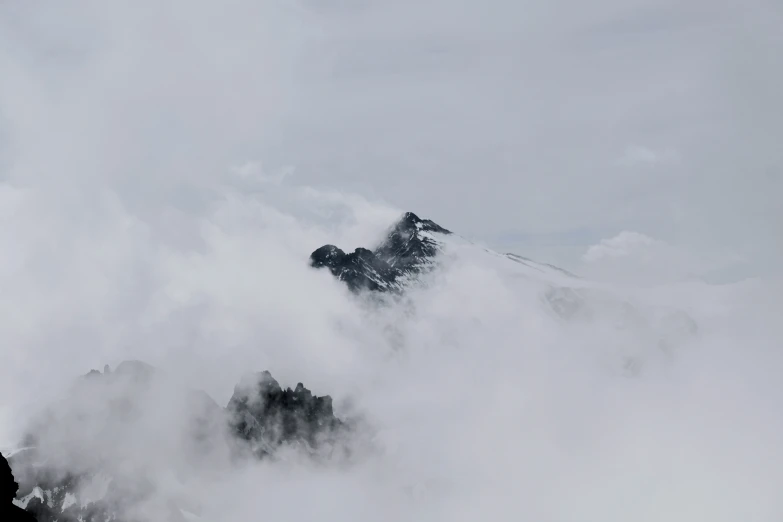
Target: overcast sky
[536,127]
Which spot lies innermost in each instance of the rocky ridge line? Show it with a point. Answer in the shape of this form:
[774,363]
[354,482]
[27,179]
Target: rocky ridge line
[408,249]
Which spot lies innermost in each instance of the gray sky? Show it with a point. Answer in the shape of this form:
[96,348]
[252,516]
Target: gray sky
[540,128]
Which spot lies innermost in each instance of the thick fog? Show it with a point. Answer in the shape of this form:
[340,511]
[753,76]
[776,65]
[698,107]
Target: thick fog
[167,168]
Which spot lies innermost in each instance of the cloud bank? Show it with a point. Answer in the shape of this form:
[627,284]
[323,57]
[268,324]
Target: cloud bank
[136,225]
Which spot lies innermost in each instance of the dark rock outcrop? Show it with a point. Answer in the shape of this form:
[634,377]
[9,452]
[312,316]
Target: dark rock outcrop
[9,512]
[409,242]
[361,269]
[260,418]
[409,248]
[266,415]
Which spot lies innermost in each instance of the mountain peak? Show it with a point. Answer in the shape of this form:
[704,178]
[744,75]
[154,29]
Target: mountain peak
[266,415]
[411,220]
[327,256]
[408,248]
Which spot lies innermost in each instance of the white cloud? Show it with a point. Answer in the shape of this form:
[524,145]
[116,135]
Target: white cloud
[634,257]
[126,233]
[484,403]
[623,244]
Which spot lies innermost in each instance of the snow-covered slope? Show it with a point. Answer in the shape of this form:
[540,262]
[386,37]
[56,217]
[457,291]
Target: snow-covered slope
[415,252]
[413,247]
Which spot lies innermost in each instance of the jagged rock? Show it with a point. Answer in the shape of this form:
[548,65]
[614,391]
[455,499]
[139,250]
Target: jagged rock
[267,415]
[261,416]
[361,270]
[408,249]
[409,242]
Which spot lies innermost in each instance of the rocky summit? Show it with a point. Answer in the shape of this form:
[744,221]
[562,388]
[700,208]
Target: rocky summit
[408,249]
[266,415]
[86,459]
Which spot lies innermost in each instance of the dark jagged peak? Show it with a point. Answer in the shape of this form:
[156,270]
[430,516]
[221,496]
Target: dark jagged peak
[411,220]
[327,256]
[102,411]
[267,416]
[361,269]
[409,243]
[408,249]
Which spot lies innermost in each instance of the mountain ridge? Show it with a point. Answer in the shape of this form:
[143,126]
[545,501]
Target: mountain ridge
[409,249]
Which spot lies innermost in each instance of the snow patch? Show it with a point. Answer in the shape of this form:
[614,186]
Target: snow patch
[35,493]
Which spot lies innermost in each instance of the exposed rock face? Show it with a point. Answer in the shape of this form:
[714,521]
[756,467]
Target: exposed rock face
[267,415]
[410,242]
[10,512]
[74,465]
[409,248]
[361,269]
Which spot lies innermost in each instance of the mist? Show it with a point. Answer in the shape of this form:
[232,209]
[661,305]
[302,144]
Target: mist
[166,170]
